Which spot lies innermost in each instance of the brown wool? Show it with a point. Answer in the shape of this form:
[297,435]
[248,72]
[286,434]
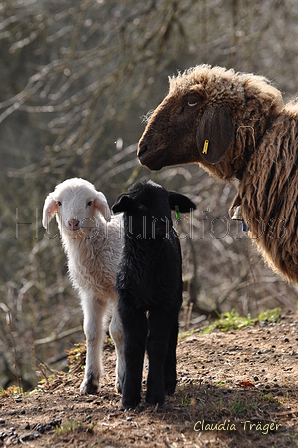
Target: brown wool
[262,153]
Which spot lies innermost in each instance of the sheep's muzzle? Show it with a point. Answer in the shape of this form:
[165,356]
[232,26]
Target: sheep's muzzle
[149,157]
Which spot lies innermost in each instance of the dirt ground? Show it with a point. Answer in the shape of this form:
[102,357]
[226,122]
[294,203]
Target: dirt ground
[235,389]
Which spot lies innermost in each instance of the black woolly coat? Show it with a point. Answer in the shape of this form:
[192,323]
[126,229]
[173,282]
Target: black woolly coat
[150,273]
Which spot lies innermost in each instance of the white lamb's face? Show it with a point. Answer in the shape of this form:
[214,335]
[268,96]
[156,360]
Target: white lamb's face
[77,206]
[76,211]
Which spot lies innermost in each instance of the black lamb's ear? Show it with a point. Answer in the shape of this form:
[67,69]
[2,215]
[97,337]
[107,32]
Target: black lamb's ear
[184,204]
[122,204]
[215,134]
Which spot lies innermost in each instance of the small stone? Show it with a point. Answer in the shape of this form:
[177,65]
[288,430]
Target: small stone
[286,340]
[11,432]
[40,428]
[22,412]
[256,378]
[56,422]
[31,436]
[27,426]
[129,419]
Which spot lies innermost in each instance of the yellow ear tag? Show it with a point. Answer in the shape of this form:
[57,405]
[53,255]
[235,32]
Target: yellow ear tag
[205,148]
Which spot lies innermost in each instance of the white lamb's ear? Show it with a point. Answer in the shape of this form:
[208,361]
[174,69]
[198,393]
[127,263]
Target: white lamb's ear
[49,209]
[102,206]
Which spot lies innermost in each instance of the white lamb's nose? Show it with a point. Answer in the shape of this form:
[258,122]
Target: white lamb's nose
[73,224]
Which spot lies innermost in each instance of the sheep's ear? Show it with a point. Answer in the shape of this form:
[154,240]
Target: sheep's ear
[184,204]
[49,209]
[101,204]
[122,204]
[215,134]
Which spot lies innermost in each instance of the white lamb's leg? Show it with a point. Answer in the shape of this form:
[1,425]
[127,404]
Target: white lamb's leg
[117,336]
[94,312]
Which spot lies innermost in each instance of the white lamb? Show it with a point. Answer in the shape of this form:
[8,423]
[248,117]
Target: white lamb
[92,240]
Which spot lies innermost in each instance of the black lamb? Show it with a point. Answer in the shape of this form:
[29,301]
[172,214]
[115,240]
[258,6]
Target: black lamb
[149,286]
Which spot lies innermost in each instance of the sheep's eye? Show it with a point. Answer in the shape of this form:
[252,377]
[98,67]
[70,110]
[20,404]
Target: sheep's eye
[59,203]
[192,103]
[89,204]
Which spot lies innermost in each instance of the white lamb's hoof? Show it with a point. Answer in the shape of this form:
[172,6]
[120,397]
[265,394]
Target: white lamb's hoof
[89,386]
[118,386]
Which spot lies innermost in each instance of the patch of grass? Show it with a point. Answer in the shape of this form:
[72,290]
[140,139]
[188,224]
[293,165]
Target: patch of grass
[73,425]
[221,383]
[186,334]
[69,427]
[270,315]
[218,408]
[233,321]
[238,406]
[76,356]
[268,397]
[185,400]
[12,391]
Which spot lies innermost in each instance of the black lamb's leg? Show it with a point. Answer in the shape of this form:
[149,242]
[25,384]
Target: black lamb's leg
[170,373]
[157,347]
[134,337]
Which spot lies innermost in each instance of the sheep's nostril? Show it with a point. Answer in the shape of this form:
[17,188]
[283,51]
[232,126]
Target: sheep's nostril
[142,149]
[73,224]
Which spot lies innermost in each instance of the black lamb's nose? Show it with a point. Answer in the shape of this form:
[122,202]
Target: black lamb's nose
[142,149]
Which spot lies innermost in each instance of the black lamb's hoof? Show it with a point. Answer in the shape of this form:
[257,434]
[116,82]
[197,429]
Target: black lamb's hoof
[130,402]
[170,388]
[153,399]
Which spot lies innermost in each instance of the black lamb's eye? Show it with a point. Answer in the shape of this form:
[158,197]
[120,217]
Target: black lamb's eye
[59,203]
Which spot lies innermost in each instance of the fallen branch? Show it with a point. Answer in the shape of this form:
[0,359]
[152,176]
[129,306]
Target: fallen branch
[56,337]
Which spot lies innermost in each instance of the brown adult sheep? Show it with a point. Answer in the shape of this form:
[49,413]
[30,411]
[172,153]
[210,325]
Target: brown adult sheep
[235,125]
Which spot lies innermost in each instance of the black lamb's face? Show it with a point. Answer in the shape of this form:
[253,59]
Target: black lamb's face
[147,209]
[151,213]
[147,212]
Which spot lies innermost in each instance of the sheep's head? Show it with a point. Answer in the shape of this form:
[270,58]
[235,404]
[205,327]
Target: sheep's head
[76,205]
[211,116]
[147,209]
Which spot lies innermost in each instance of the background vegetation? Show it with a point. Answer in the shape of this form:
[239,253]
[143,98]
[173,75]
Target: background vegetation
[77,79]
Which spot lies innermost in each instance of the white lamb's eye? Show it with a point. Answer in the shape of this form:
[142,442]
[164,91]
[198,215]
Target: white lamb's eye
[89,204]
[59,203]
[192,103]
